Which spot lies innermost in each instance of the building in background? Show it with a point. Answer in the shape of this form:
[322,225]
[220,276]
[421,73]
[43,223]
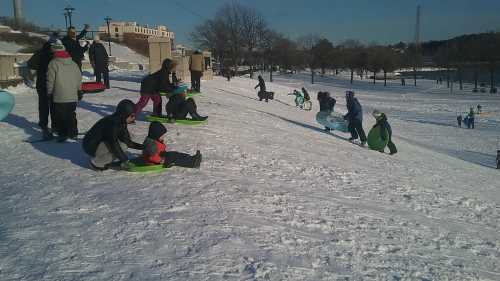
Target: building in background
[120,30]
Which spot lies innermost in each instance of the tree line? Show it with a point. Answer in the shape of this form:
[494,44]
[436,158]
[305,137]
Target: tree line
[239,36]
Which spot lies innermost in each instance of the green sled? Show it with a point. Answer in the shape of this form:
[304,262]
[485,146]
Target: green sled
[189,122]
[139,166]
[375,141]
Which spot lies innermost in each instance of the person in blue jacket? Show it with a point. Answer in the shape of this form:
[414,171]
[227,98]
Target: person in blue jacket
[355,118]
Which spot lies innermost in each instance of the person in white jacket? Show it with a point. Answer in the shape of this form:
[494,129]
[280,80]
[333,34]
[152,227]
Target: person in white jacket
[63,83]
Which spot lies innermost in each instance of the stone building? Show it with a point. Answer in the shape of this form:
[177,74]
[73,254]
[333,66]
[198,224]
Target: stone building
[119,30]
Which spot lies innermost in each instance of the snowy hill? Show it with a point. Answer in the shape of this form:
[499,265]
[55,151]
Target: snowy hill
[276,198]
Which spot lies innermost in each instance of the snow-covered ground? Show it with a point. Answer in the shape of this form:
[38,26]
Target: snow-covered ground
[276,198]
[9,47]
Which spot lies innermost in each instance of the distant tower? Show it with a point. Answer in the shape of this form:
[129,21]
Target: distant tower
[417,29]
[18,11]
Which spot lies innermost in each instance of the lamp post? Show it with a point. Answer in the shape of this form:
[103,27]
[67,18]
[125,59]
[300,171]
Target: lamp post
[69,10]
[108,20]
[66,19]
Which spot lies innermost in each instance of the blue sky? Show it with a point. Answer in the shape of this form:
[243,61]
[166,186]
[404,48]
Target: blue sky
[382,21]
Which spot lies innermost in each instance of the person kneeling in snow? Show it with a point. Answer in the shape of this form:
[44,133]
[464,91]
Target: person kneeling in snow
[155,150]
[178,107]
[384,124]
[108,139]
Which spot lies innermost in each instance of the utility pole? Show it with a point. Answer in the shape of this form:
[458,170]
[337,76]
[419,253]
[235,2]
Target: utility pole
[18,12]
[108,20]
[69,10]
[66,19]
[417,45]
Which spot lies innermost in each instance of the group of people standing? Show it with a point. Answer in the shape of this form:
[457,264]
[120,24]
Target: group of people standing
[469,119]
[58,66]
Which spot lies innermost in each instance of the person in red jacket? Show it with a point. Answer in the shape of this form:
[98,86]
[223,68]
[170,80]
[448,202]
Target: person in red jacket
[155,150]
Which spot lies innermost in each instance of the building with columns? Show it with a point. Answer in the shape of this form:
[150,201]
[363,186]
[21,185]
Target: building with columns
[119,30]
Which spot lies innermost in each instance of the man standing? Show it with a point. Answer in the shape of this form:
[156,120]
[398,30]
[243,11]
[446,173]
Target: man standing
[196,66]
[72,44]
[100,60]
[40,62]
[355,118]
[63,83]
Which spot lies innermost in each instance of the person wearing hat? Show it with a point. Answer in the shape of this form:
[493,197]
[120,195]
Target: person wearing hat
[155,150]
[109,138]
[355,118]
[196,67]
[72,44]
[40,62]
[383,124]
[63,83]
[99,59]
[153,84]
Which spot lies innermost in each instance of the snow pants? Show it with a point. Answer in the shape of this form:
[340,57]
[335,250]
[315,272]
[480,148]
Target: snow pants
[99,75]
[46,108]
[67,125]
[174,158]
[195,80]
[103,156]
[143,101]
[356,129]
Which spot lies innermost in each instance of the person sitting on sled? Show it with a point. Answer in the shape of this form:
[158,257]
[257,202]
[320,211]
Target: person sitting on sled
[384,125]
[178,107]
[109,138]
[155,150]
[326,106]
[153,84]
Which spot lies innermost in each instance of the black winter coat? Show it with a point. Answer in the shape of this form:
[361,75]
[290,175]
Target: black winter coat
[110,130]
[327,104]
[262,85]
[157,82]
[99,57]
[73,47]
[40,62]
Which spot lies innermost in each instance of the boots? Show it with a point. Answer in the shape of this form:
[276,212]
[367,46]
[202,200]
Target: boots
[197,160]
[47,134]
[197,117]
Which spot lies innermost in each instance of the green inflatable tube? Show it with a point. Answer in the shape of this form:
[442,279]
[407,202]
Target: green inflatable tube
[7,103]
[375,141]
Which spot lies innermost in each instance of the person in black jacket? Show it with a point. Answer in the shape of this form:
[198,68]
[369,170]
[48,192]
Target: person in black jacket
[72,44]
[108,139]
[384,125]
[40,62]
[262,89]
[306,94]
[153,84]
[355,118]
[99,59]
[178,107]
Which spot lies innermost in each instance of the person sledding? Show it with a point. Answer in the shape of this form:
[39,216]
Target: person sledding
[155,150]
[326,106]
[153,84]
[299,99]
[383,125]
[263,94]
[109,138]
[355,118]
[178,107]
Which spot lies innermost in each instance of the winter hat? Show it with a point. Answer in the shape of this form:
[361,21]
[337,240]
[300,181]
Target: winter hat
[156,130]
[57,46]
[349,94]
[124,109]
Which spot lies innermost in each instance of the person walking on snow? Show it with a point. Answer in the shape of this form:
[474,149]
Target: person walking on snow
[196,67]
[109,138]
[355,118]
[470,123]
[63,83]
[72,44]
[40,62]
[100,60]
[262,89]
[383,124]
[153,84]
[326,106]
[155,150]
[459,120]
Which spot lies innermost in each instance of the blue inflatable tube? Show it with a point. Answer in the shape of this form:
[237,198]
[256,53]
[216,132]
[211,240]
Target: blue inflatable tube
[7,103]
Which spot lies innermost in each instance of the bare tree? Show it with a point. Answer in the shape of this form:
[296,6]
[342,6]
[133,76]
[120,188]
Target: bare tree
[253,26]
[306,44]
